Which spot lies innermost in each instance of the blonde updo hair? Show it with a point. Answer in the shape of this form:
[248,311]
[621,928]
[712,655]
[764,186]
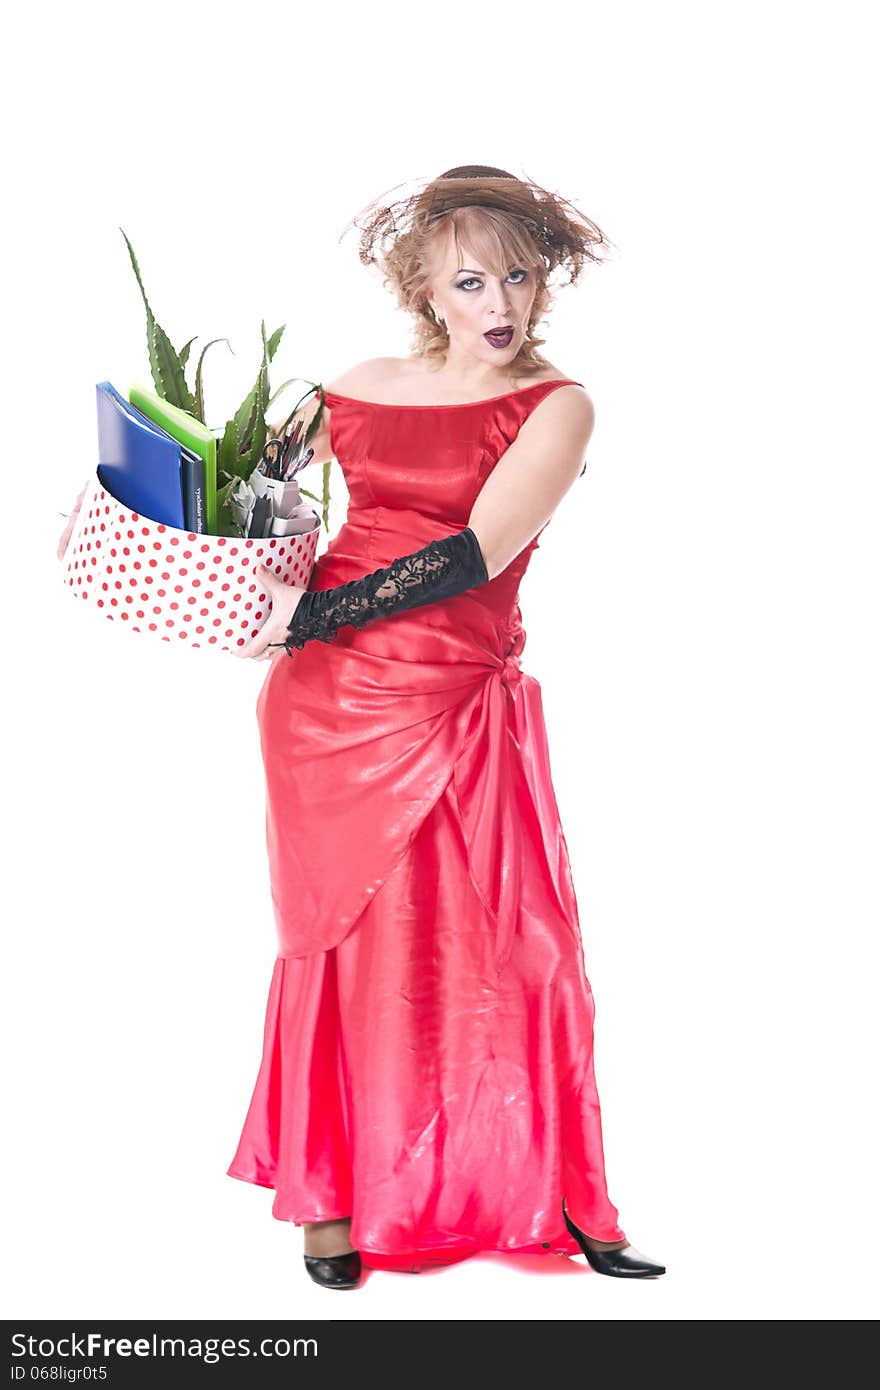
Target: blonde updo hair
[505,220]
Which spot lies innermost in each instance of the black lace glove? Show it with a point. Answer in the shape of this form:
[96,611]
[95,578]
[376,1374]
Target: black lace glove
[437,571]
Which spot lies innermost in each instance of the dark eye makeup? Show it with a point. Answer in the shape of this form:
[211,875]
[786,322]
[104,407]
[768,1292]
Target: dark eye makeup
[473,279]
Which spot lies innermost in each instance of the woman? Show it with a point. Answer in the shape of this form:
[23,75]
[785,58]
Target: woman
[426,1089]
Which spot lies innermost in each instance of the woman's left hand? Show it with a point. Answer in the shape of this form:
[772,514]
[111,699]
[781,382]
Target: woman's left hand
[285,601]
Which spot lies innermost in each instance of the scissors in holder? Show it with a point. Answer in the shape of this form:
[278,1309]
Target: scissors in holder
[270,459]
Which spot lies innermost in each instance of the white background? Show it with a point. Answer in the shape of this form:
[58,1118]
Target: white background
[702,616]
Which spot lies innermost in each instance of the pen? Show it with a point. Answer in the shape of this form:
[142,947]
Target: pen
[290,445]
[300,463]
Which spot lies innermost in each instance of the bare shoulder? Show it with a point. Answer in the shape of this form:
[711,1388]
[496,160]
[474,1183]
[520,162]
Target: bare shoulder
[358,380]
[569,409]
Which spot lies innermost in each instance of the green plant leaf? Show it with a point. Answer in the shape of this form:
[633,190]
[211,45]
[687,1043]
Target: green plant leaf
[326,489]
[227,453]
[166,367]
[250,460]
[137,271]
[244,419]
[323,499]
[275,340]
[283,387]
[292,414]
[315,422]
[167,371]
[199,396]
[250,418]
[226,517]
[312,386]
[184,353]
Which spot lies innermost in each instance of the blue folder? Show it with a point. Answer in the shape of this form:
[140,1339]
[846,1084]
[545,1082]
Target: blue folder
[138,462]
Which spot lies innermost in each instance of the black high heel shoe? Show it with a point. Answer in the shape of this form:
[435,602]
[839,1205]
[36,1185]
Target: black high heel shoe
[335,1271]
[626,1263]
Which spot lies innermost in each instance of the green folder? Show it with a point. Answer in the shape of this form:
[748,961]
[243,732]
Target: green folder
[186,429]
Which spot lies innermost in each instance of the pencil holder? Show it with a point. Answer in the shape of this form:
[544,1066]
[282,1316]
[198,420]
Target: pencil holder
[179,586]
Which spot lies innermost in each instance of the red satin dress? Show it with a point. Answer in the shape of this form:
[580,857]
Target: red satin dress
[427,1064]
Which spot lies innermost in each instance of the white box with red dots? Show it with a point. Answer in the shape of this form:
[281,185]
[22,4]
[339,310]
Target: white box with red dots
[197,589]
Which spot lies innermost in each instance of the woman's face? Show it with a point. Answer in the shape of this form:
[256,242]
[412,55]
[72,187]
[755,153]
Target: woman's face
[473,302]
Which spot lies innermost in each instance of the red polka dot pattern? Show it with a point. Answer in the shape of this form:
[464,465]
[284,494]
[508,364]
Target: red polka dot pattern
[177,585]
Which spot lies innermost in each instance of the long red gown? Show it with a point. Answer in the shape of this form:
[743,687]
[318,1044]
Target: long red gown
[427,1064]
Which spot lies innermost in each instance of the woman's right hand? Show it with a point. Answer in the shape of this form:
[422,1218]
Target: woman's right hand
[71,521]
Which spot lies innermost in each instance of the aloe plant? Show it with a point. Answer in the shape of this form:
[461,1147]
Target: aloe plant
[241,442]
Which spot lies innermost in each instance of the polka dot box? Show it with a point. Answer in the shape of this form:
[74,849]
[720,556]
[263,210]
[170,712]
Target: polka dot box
[176,585]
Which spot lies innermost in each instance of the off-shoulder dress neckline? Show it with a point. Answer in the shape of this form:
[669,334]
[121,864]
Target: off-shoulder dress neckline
[457,405]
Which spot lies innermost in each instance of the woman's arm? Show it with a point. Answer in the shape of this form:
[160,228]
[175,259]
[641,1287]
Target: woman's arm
[515,503]
[441,569]
[531,478]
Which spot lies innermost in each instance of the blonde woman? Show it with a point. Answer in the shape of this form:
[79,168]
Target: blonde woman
[427,1088]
